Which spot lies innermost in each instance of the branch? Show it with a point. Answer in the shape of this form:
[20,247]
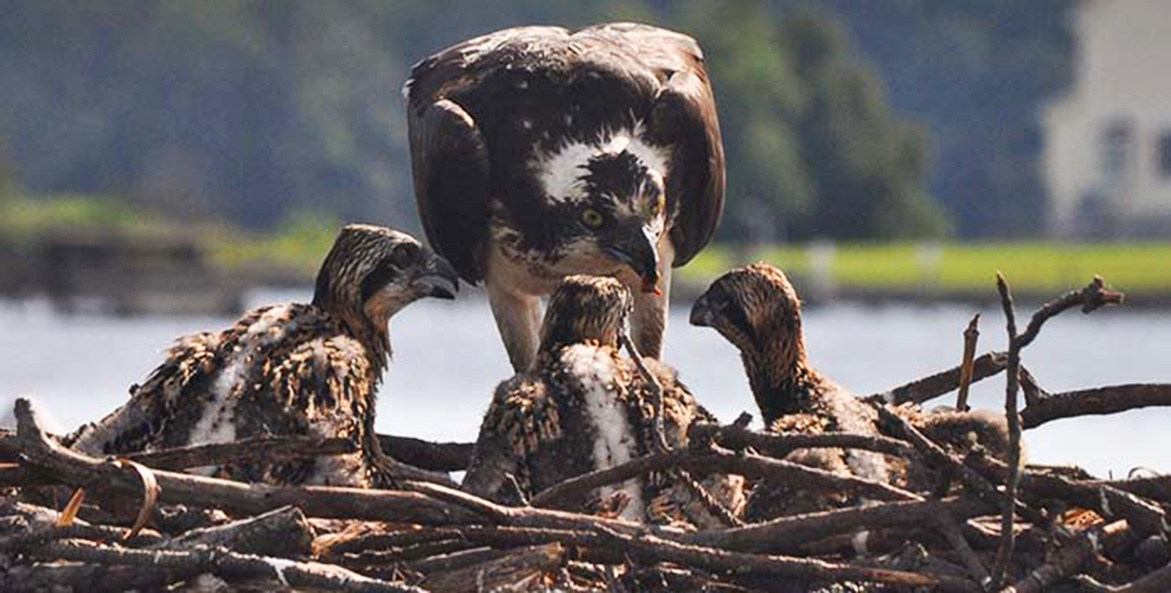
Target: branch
[1008,504]
[226,563]
[971,334]
[1097,401]
[439,457]
[1158,581]
[736,437]
[649,548]
[1144,516]
[1090,298]
[928,388]
[509,572]
[1069,558]
[70,467]
[747,465]
[253,449]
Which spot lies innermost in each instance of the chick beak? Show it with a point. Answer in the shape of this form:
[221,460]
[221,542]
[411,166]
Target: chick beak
[636,250]
[702,312]
[437,278]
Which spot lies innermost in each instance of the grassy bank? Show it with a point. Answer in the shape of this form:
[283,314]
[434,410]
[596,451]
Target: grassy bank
[1033,266]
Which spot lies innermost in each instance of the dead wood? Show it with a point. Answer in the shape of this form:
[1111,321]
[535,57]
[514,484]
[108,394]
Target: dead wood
[928,388]
[284,532]
[1069,558]
[512,570]
[1092,402]
[747,465]
[437,457]
[224,563]
[773,444]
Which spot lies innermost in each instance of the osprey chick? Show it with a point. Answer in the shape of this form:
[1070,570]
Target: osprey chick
[583,407]
[540,153]
[289,370]
[758,311]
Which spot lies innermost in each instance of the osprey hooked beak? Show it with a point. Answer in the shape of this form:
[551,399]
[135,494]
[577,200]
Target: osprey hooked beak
[635,248]
[703,313]
[436,277]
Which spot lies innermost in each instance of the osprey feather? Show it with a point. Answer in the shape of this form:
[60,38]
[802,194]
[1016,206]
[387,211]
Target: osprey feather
[583,407]
[289,370]
[540,152]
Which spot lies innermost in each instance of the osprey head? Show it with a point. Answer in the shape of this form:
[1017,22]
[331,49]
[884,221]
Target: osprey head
[585,308]
[615,196]
[372,272]
[753,307]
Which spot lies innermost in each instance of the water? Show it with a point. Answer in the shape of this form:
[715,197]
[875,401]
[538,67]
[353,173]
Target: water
[448,358]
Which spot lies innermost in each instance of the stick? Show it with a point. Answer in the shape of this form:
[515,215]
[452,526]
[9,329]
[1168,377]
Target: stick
[1097,401]
[1158,581]
[747,465]
[1008,505]
[509,571]
[736,437]
[928,388]
[76,469]
[971,334]
[1069,558]
[439,457]
[226,563]
[284,532]
[789,533]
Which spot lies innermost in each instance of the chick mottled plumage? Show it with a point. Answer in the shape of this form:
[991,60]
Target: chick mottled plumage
[583,407]
[756,308]
[289,369]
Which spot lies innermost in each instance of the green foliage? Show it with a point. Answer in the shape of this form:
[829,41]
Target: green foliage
[813,148]
[249,110]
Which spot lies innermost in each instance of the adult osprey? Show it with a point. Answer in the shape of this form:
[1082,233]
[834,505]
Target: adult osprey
[540,152]
[288,370]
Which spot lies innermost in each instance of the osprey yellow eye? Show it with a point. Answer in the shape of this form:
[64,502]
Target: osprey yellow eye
[591,218]
[655,206]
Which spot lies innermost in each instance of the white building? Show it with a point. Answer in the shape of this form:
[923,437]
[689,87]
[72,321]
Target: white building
[1108,140]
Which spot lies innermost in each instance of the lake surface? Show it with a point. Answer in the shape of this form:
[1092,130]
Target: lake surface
[448,358]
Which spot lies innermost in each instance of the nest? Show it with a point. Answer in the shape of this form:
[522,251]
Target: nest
[984,525]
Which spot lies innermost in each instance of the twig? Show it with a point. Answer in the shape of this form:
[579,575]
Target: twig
[747,465]
[971,334]
[1158,581]
[1069,558]
[936,455]
[251,449]
[283,532]
[1097,401]
[656,391]
[736,437]
[439,457]
[74,468]
[652,549]
[928,388]
[951,532]
[1144,516]
[788,533]
[509,571]
[1008,504]
[227,563]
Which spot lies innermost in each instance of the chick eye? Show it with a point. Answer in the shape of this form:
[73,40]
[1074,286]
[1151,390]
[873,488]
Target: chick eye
[404,254]
[591,218]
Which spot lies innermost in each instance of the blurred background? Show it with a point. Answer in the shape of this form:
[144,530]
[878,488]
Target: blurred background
[164,164]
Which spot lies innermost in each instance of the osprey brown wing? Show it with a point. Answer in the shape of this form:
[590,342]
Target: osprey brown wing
[451,173]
